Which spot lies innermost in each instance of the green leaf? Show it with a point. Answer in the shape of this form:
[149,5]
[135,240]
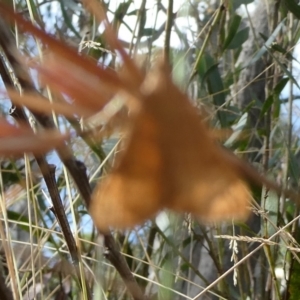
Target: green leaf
[11,172]
[294,287]
[264,37]
[23,223]
[239,38]
[215,86]
[276,109]
[184,267]
[147,32]
[280,86]
[233,113]
[278,48]
[294,166]
[274,97]
[233,28]
[121,11]
[202,67]
[277,91]
[293,7]
[237,130]
[133,12]
[12,215]
[67,20]
[266,106]
[249,106]
[267,44]
[297,34]
[270,203]
[285,70]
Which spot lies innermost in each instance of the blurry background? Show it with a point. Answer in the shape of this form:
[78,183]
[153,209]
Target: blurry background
[238,61]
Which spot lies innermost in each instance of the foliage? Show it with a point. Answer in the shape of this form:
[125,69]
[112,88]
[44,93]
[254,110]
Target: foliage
[171,257]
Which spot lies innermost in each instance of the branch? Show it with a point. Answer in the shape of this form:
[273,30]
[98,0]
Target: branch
[169,25]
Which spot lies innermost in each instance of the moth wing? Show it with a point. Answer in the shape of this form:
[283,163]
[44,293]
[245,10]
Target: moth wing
[230,203]
[132,192]
[223,198]
[209,187]
[199,176]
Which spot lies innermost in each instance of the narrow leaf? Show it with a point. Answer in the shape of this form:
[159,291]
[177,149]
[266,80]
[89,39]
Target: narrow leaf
[233,28]
[293,7]
[239,39]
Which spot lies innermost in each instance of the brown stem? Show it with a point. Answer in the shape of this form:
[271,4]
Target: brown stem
[48,172]
[168,30]
[5,292]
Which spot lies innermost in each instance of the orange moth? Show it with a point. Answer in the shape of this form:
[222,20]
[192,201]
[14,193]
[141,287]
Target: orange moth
[170,161]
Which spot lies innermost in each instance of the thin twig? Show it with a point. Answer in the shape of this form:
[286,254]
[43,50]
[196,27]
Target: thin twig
[168,30]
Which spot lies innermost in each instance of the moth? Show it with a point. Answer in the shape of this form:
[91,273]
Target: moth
[170,161]
[15,141]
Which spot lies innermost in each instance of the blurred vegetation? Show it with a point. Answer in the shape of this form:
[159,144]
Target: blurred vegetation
[236,60]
